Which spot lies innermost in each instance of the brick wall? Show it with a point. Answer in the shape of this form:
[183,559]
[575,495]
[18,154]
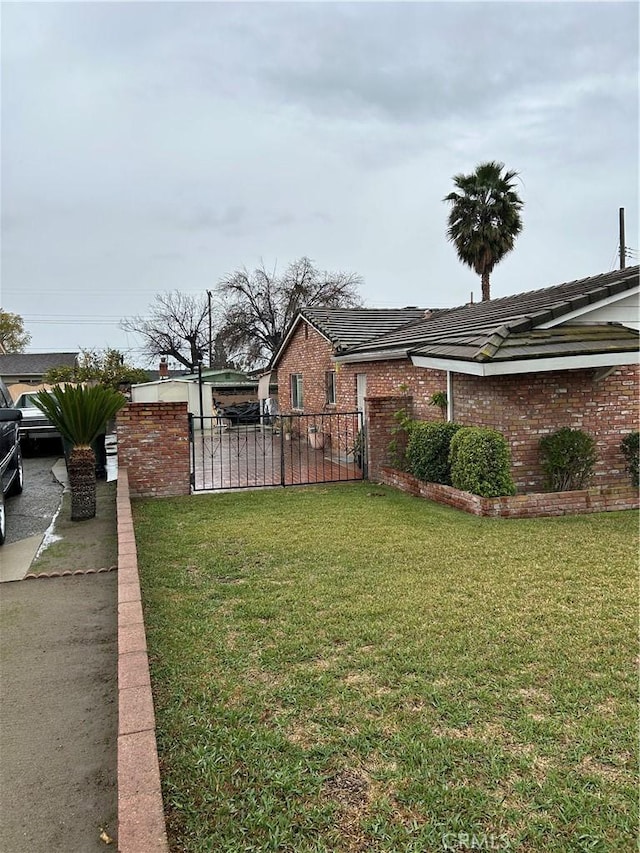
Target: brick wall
[596,499]
[528,406]
[153,444]
[381,423]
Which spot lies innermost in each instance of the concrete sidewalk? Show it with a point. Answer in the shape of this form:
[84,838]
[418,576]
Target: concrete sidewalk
[58,728]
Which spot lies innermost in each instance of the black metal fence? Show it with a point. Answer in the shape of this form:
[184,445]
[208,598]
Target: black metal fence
[285,450]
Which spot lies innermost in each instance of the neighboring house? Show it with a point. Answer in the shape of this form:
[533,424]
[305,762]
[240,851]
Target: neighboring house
[29,368]
[228,386]
[181,390]
[525,365]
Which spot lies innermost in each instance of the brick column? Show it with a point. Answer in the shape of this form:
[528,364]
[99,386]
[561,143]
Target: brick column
[153,444]
[380,423]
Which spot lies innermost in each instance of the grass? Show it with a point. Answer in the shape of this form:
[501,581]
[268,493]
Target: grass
[351,669]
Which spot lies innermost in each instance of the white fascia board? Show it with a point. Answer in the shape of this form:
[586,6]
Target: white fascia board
[601,303]
[379,355]
[531,365]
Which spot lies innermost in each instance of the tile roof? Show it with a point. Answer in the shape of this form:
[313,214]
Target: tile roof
[34,363]
[509,327]
[348,327]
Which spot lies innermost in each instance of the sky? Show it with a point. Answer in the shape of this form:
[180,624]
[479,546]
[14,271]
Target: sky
[157,146]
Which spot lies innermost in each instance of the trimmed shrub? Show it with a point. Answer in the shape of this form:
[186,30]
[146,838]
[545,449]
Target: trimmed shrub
[480,462]
[631,448]
[427,451]
[567,458]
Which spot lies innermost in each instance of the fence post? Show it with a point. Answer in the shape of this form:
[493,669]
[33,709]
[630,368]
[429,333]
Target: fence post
[192,443]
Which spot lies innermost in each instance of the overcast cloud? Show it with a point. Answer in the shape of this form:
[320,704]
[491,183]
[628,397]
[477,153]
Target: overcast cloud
[158,146]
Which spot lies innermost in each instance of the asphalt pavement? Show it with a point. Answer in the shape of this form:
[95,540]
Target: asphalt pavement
[31,512]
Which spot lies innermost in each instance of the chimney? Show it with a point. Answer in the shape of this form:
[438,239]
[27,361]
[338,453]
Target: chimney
[164,368]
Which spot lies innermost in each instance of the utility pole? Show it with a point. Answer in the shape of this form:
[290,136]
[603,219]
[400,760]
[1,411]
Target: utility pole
[210,331]
[623,248]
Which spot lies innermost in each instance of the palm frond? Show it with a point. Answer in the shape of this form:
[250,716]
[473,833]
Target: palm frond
[80,413]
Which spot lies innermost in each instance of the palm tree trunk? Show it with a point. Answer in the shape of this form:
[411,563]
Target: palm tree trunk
[82,482]
[486,290]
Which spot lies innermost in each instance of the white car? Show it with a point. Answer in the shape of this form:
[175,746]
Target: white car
[34,423]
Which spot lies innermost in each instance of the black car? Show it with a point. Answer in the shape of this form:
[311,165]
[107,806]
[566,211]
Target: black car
[241,413]
[11,474]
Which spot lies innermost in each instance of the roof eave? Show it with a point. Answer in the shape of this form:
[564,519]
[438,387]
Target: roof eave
[528,365]
[590,305]
[372,355]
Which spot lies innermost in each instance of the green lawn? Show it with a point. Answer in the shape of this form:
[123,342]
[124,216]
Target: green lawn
[347,668]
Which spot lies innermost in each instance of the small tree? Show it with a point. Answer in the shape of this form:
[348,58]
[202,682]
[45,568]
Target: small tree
[13,337]
[80,414]
[106,367]
[439,399]
[567,458]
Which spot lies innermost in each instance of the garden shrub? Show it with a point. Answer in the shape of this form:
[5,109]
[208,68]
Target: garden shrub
[631,449]
[480,462]
[428,451]
[567,457]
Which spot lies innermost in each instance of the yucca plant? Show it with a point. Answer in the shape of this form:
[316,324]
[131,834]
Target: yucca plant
[80,414]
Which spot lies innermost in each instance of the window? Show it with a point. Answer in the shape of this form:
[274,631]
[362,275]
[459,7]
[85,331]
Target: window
[330,387]
[296,391]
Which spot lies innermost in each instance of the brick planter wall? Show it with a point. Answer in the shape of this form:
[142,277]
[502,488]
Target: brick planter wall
[534,505]
[153,444]
[141,824]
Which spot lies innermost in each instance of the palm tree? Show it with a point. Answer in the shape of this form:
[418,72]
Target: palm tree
[484,219]
[80,414]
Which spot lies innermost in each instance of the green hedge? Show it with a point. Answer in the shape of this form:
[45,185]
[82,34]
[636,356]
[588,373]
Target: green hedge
[631,449]
[480,462]
[567,458]
[427,452]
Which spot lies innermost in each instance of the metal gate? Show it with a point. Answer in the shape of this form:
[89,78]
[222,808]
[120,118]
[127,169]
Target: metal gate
[286,450]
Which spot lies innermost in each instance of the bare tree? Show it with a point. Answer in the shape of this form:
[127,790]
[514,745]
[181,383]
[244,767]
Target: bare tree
[177,326]
[259,306]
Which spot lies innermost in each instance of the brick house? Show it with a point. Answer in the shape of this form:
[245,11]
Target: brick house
[525,365]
